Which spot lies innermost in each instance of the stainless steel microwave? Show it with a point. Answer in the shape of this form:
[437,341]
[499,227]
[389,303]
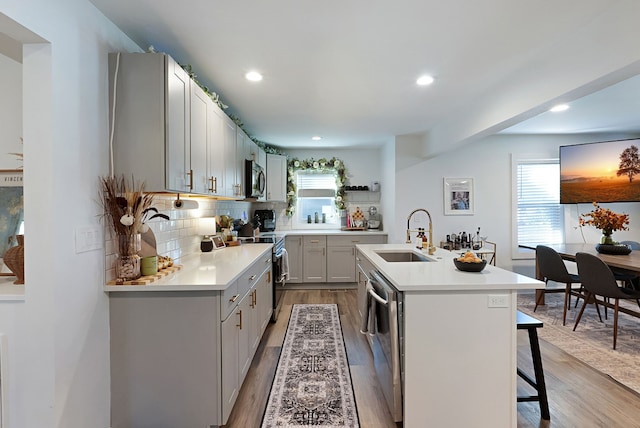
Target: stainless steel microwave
[255,180]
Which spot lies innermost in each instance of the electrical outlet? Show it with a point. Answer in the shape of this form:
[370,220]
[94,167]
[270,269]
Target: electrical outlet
[498,301]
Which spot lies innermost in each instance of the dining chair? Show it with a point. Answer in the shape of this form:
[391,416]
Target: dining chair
[599,280]
[551,267]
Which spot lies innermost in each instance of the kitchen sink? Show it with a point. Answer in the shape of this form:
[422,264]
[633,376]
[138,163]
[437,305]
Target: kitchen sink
[403,256]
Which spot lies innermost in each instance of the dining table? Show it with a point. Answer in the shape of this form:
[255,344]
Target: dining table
[629,263]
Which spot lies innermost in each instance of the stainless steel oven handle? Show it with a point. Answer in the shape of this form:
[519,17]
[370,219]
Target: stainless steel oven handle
[378,298]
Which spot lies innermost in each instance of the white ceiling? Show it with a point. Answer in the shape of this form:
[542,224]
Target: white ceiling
[346,70]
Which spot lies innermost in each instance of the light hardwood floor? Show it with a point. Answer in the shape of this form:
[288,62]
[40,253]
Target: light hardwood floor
[578,395]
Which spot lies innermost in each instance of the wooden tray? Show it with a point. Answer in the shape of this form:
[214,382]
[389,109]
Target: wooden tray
[148,279]
[353,228]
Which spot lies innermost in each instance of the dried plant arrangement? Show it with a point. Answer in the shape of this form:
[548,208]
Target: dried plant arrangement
[126,208]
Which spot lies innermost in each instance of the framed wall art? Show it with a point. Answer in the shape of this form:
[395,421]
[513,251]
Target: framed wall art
[458,196]
[217,242]
[11,210]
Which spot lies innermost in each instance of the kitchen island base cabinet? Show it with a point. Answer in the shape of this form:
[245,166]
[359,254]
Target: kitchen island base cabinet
[460,354]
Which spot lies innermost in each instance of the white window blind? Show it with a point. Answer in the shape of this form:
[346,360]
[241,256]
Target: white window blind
[316,185]
[316,199]
[538,196]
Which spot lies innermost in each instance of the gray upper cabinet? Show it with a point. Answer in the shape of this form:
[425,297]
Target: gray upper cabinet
[151,127]
[276,177]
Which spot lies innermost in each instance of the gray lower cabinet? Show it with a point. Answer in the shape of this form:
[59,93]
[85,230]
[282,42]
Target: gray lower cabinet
[326,258]
[293,244]
[179,358]
[314,261]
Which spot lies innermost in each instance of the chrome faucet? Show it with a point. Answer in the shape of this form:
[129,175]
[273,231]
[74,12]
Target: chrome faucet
[432,248]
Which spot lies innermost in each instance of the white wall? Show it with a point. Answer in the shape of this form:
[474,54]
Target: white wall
[364,166]
[58,338]
[488,162]
[10,112]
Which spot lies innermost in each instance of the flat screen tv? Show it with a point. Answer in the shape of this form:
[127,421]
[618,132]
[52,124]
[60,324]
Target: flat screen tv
[607,171]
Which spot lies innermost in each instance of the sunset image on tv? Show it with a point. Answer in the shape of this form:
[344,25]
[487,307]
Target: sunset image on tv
[600,172]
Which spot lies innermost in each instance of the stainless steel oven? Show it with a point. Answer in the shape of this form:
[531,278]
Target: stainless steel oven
[278,281]
[387,343]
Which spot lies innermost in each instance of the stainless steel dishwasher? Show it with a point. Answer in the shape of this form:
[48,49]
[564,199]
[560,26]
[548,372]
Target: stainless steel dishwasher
[387,342]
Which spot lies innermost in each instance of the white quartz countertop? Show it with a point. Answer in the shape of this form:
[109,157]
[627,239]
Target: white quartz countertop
[215,270]
[440,274]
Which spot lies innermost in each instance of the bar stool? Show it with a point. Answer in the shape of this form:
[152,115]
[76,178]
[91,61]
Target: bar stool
[525,322]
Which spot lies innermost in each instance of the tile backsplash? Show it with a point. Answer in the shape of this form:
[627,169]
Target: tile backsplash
[179,236]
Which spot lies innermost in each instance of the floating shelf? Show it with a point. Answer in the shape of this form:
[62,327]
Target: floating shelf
[359,196]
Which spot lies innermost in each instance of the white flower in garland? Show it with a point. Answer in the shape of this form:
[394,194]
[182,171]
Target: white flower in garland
[339,198]
[336,163]
[296,164]
[316,165]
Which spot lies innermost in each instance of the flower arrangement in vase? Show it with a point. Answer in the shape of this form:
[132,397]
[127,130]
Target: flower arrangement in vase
[126,209]
[605,220]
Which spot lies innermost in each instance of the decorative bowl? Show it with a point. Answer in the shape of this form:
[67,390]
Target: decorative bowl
[470,266]
[614,249]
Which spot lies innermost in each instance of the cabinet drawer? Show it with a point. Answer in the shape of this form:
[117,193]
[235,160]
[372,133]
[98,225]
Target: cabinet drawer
[315,241]
[250,277]
[229,298]
[346,240]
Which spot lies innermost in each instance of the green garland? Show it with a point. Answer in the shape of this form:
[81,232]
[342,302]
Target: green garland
[322,166]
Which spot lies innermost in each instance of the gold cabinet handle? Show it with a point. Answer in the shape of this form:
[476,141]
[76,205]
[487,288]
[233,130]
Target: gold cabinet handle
[190,174]
[234,298]
[254,299]
[252,277]
[214,185]
[240,314]
[314,241]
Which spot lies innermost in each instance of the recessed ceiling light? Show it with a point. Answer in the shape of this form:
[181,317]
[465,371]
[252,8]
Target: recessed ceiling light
[316,138]
[559,108]
[424,80]
[254,76]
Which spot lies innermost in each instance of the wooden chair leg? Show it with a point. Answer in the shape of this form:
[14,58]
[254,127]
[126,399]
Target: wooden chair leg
[540,297]
[578,297]
[615,323]
[586,301]
[567,303]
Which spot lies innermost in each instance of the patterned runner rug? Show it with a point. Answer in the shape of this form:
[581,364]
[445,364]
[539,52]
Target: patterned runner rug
[592,342]
[312,385]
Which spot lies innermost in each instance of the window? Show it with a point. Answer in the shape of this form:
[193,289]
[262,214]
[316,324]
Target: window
[538,213]
[316,198]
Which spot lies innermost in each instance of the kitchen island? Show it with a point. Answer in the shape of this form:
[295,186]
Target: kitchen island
[458,338]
